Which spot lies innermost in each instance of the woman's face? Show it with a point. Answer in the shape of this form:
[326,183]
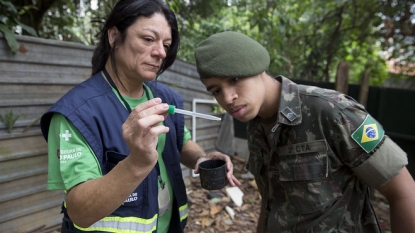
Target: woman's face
[146,44]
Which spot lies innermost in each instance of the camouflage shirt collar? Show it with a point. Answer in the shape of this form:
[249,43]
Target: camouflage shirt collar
[289,109]
[290,103]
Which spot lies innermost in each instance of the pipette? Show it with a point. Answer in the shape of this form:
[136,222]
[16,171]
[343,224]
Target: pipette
[172,110]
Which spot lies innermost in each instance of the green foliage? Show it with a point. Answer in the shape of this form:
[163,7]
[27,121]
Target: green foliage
[216,108]
[64,21]
[305,39]
[9,120]
[72,21]
[365,57]
[9,23]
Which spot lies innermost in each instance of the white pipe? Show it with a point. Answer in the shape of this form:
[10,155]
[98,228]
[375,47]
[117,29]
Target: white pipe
[194,102]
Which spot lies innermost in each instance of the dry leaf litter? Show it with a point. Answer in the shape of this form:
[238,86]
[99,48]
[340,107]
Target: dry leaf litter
[212,211]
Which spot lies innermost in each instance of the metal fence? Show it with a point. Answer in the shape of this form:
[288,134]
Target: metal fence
[30,82]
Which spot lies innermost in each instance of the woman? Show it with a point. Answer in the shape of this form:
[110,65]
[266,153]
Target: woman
[112,147]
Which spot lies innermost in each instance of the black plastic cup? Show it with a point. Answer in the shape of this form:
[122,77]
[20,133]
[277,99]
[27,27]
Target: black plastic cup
[213,174]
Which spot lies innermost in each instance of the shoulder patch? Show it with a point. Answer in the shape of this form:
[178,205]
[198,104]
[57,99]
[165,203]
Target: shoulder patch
[369,134]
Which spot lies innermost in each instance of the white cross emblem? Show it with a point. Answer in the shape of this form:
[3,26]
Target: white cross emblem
[66,135]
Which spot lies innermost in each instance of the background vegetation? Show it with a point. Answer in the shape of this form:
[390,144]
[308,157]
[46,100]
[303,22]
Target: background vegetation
[305,38]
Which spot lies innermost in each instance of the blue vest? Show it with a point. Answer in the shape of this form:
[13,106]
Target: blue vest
[97,113]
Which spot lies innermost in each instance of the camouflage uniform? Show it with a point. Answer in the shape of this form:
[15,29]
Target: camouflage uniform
[316,176]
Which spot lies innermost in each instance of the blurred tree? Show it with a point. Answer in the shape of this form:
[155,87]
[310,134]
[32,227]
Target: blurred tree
[34,16]
[69,20]
[397,32]
[305,38]
[10,23]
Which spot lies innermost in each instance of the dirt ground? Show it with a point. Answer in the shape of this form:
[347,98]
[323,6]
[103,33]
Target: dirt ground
[208,212]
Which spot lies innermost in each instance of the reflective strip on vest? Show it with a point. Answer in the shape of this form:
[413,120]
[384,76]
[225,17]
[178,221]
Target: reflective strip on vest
[123,225]
[130,224]
[183,212]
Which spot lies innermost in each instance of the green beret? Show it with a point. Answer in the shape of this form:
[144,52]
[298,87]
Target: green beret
[230,54]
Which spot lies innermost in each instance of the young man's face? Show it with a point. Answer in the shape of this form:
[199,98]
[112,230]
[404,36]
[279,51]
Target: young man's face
[240,97]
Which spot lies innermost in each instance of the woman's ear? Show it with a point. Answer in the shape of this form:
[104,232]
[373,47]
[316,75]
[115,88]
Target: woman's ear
[112,35]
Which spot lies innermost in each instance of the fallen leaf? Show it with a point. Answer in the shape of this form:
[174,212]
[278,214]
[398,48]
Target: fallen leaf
[204,213]
[214,209]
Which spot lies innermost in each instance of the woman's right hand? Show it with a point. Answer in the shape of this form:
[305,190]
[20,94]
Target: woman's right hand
[141,130]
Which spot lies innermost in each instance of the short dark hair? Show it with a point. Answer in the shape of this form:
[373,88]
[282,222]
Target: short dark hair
[122,16]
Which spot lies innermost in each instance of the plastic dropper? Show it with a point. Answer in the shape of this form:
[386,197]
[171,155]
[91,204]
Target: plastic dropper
[172,110]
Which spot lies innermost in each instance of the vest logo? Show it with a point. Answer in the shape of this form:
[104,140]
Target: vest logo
[65,135]
[369,134]
[65,155]
[131,198]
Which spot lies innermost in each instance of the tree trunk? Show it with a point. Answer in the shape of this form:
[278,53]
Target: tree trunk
[342,77]
[33,17]
[364,88]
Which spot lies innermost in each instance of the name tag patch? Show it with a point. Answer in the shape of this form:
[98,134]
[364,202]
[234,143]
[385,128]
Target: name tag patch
[302,148]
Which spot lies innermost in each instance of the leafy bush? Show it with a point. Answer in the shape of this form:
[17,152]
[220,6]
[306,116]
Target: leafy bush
[9,23]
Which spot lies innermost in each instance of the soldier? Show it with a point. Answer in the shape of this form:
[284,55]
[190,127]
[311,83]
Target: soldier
[315,153]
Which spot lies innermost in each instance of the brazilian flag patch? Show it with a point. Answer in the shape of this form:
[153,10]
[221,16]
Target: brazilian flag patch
[369,134]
